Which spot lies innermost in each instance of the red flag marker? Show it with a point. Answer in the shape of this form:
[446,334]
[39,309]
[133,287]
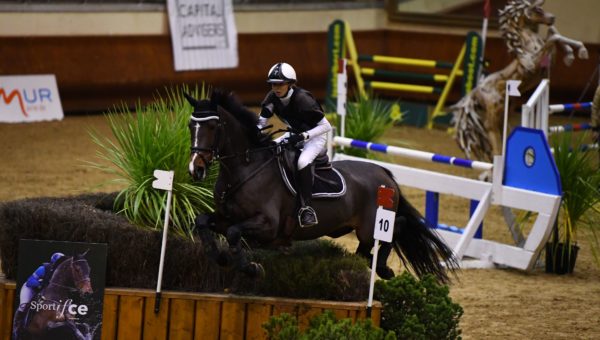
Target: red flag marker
[385,197]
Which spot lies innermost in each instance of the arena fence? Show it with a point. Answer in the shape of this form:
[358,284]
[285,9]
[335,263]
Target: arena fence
[129,314]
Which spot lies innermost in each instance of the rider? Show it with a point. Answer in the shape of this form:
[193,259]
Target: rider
[299,110]
[34,284]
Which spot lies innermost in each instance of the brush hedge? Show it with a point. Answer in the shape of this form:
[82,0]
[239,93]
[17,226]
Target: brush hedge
[310,269]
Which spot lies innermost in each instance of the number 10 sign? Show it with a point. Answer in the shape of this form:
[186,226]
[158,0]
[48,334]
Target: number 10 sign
[385,216]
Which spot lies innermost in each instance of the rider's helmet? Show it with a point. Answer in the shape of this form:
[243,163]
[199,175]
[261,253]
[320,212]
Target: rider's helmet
[56,256]
[281,73]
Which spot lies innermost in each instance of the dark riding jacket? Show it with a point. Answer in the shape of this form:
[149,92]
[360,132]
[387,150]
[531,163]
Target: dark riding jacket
[302,113]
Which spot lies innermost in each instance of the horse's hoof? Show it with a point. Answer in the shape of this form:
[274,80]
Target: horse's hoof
[385,273]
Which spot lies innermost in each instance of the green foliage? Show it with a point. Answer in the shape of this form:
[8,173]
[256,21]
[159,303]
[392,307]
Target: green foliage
[155,136]
[580,181]
[324,326]
[367,119]
[317,269]
[418,309]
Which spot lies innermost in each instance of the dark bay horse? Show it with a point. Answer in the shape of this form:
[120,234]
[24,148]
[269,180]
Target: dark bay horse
[49,314]
[253,202]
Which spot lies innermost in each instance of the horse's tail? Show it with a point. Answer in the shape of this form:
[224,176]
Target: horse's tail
[419,247]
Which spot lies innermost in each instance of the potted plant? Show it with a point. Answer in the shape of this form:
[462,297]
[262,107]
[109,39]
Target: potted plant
[580,180]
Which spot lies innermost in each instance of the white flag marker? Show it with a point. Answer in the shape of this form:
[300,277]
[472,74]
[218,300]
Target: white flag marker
[164,181]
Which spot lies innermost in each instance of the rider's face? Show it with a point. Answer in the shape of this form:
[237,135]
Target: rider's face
[280,89]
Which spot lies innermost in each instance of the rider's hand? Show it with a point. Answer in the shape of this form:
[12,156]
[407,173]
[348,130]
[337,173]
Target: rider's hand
[295,138]
[266,111]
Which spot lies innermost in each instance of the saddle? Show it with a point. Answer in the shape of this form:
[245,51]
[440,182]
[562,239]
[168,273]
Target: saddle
[328,181]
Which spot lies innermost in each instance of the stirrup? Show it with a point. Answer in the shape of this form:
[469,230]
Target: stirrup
[307,210]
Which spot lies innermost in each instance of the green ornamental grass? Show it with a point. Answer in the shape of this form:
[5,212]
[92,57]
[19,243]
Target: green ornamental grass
[580,181]
[367,119]
[155,136]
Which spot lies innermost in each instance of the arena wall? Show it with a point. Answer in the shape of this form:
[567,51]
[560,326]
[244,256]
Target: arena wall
[99,65]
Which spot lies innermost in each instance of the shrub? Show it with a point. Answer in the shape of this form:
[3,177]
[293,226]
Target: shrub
[318,269]
[155,136]
[418,309]
[323,327]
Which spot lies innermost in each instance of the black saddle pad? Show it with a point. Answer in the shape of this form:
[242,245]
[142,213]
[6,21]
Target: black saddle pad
[328,181]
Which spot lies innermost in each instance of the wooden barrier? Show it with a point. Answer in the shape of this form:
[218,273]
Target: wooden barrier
[129,314]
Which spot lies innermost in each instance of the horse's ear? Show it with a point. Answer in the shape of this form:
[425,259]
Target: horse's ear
[191,99]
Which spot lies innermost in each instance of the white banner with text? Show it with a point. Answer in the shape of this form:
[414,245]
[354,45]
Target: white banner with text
[203,34]
[29,98]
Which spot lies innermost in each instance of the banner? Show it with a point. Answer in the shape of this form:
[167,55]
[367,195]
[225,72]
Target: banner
[60,285]
[29,98]
[335,51]
[203,34]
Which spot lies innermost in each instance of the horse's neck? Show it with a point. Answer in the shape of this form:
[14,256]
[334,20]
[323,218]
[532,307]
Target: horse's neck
[58,286]
[234,139]
[533,50]
[239,156]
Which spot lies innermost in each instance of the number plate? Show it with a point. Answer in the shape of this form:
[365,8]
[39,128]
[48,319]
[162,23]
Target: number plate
[384,225]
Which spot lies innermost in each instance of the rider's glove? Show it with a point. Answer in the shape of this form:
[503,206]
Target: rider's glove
[266,111]
[295,138]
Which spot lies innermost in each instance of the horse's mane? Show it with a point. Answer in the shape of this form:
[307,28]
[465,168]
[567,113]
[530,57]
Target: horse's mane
[230,102]
[509,19]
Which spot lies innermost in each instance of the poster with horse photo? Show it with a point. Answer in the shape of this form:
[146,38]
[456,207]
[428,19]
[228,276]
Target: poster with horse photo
[60,290]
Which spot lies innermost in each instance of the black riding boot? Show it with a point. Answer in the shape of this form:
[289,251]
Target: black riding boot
[306,214]
[18,324]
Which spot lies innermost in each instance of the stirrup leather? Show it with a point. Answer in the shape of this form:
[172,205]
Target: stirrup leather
[309,210]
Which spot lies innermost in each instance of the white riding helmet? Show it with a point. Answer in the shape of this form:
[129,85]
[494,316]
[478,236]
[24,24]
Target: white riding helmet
[281,73]
[56,256]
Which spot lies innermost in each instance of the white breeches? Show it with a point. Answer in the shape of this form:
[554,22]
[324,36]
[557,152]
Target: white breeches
[312,148]
[25,296]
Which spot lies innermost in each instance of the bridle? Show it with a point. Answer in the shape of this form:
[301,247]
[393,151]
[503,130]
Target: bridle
[204,116]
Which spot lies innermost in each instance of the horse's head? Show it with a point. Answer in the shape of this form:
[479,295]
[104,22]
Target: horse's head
[519,21]
[204,126]
[536,15]
[80,270]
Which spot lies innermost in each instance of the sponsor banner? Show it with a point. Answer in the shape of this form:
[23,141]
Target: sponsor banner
[203,34]
[472,62]
[29,98]
[60,290]
[335,51]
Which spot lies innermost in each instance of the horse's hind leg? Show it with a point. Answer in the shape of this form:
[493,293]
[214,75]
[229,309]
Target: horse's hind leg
[364,250]
[381,267]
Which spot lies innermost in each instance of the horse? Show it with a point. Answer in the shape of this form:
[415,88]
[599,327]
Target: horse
[478,116]
[49,314]
[252,200]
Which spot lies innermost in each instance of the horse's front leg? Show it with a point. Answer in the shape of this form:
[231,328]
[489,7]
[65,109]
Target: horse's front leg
[257,228]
